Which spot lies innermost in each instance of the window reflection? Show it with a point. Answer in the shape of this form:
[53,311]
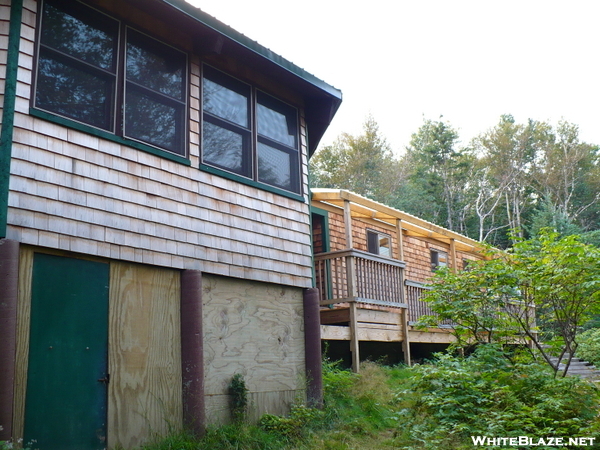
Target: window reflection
[273,166]
[157,70]
[225,103]
[151,121]
[276,125]
[90,40]
[224,148]
[74,93]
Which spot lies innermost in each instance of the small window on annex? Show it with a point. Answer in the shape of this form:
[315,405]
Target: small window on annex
[78,76]
[249,133]
[438,259]
[379,243]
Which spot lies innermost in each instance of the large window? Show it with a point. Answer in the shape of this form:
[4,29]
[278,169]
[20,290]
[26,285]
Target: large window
[249,133]
[95,70]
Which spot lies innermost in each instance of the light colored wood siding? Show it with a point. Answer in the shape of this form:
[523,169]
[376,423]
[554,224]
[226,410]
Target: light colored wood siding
[416,249]
[4,29]
[144,354]
[76,192]
[257,330]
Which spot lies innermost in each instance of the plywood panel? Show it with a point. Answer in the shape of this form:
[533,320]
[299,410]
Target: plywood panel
[144,353]
[255,329]
[22,351]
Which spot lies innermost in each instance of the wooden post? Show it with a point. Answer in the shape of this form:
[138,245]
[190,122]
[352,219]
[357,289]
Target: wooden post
[405,334]
[400,239]
[351,280]
[9,276]
[453,255]
[192,351]
[354,342]
[312,348]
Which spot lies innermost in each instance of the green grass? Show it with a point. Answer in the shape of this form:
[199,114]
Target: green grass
[434,406]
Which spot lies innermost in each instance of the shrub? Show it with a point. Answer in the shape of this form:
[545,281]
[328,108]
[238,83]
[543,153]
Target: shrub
[589,346]
[487,394]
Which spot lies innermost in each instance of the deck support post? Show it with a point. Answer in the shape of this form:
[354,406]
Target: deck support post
[354,343]
[312,348]
[405,335]
[192,352]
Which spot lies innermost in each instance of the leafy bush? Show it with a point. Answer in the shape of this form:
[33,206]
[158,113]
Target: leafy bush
[487,394]
[589,346]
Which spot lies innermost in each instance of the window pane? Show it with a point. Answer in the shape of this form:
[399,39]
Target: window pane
[152,121]
[225,103]
[77,33]
[74,93]
[224,148]
[274,166]
[384,245]
[277,121]
[155,66]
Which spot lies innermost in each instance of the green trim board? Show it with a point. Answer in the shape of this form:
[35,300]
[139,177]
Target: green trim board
[324,214]
[108,136]
[249,182]
[8,108]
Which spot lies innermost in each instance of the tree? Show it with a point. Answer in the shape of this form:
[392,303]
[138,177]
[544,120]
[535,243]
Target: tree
[544,288]
[566,172]
[363,164]
[441,171]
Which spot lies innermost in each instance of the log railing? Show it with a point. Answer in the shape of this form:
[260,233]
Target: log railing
[358,276]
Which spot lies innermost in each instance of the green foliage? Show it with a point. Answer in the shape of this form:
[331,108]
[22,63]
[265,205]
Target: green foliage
[434,406]
[360,163]
[494,300]
[239,396]
[589,346]
[486,394]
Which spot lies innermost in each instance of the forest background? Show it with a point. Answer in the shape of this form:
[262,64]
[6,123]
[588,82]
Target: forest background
[514,176]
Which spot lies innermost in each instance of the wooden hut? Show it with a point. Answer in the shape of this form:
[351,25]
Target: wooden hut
[154,221]
[372,263]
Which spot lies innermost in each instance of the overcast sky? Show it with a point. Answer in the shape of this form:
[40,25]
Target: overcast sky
[466,60]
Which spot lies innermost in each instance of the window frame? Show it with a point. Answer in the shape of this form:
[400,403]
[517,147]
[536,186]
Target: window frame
[435,259]
[117,131]
[251,175]
[379,235]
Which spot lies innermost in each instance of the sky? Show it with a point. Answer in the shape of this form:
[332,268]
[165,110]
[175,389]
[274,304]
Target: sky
[465,62]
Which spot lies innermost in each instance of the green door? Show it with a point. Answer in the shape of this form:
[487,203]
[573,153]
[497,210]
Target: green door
[67,375]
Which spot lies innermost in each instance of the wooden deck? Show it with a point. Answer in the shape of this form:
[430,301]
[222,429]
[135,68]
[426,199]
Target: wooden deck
[380,326]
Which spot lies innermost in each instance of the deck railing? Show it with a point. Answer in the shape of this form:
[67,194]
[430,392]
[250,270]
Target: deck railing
[358,276]
[416,307]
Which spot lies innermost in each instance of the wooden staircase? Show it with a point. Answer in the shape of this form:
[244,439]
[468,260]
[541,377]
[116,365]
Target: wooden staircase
[580,368]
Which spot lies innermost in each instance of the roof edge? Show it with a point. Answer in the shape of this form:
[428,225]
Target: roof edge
[253,46]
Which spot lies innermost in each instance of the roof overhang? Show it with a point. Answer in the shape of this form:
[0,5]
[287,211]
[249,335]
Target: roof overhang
[364,208]
[210,35]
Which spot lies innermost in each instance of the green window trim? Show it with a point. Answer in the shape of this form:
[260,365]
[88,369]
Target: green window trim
[249,182]
[108,136]
[8,116]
